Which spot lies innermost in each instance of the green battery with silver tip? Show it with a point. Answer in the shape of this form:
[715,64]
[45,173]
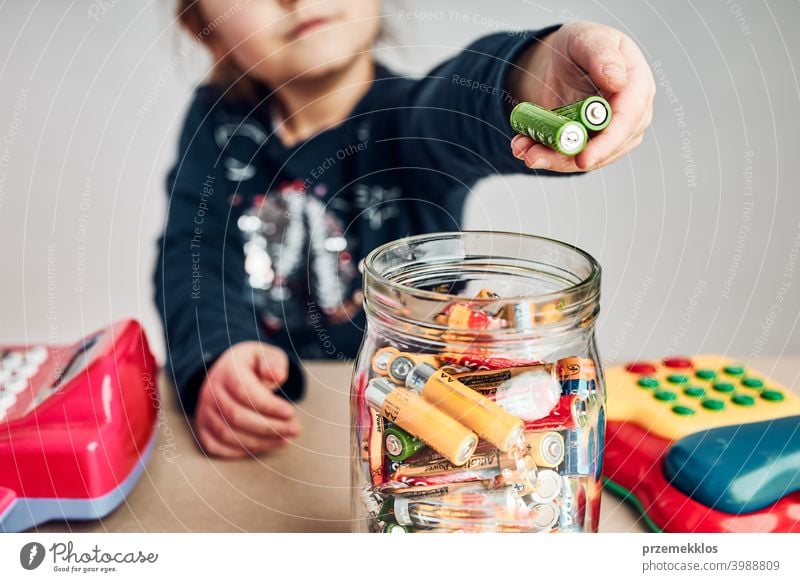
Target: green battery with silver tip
[594,113]
[400,445]
[563,135]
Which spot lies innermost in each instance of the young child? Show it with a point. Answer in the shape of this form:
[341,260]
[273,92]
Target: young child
[302,154]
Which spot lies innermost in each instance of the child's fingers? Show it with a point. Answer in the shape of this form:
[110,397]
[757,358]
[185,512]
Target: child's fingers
[272,365]
[221,429]
[249,390]
[632,114]
[539,157]
[596,49]
[215,448]
[632,109]
[247,420]
[520,145]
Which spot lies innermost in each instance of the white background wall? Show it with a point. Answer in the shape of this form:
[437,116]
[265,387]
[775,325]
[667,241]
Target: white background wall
[698,231]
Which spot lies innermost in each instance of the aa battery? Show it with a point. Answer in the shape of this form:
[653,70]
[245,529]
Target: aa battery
[401,364]
[486,382]
[397,528]
[457,509]
[423,491]
[548,488]
[500,469]
[576,457]
[546,516]
[381,359]
[487,419]
[556,132]
[530,315]
[479,360]
[594,113]
[412,413]
[577,376]
[546,448]
[377,460]
[400,445]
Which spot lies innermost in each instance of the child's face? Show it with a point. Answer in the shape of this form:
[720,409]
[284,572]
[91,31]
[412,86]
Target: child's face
[277,41]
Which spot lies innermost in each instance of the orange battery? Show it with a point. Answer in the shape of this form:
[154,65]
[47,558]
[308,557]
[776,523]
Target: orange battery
[468,407]
[413,414]
[381,359]
[401,364]
[573,368]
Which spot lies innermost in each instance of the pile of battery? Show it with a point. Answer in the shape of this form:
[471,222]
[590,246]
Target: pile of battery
[469,441]
[565,129]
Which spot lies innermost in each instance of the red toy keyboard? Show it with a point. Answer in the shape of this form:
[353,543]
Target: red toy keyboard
[77,425]
[704,444]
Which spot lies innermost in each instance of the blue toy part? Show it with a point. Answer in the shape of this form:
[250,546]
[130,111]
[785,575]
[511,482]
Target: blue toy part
[739,468]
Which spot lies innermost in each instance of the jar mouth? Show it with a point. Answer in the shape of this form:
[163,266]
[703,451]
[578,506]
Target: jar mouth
[413,280]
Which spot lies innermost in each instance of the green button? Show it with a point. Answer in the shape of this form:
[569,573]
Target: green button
[715,405]
[677,378]
[665,395]
[682,410]
[706,374]
[648,382]
[734,370]
[752,382]
[724,387]
[695,391]
[772,395]
[743,400]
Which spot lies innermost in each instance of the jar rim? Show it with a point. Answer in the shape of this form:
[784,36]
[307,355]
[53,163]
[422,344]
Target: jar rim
[371,270]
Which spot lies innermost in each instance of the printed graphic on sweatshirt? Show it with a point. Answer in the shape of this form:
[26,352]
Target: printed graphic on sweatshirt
[235,134]
[295,250]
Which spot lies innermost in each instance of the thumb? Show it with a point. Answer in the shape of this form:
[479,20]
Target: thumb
[596,50]
[272,365]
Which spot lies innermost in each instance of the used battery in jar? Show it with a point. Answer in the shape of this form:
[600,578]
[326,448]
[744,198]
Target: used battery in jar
[548,488]
[546,448]
[486,418]
[577,376]
[519,472]
[563,135]
[412,413]
[401,364]
[400,445]
[396,528]
[381,359]
[576,461]
[594,113]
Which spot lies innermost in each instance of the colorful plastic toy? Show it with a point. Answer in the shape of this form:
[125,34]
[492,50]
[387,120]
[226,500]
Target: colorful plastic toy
[704,444]
[77,425]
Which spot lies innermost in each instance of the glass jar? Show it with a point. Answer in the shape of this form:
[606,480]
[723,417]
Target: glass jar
[477,398]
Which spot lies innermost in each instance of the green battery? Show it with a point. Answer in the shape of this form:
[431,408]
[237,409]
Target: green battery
[399,444]
[397,528]
[556,132]
[594,113]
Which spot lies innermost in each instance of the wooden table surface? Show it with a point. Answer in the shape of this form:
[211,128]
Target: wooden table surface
[303,488]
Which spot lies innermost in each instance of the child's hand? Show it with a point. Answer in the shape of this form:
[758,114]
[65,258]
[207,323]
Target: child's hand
[578,60]
[238,413]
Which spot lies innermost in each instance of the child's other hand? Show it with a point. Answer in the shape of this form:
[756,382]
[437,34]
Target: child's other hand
[578,60]
[238,412]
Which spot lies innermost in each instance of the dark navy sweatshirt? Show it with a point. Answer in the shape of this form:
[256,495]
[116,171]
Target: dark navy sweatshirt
[263,241]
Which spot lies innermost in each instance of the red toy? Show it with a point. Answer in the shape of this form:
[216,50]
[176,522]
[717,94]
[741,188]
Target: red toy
[77,424]
[680,446]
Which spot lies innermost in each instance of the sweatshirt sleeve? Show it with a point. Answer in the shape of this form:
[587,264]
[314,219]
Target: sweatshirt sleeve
[457,117]
[199,278]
